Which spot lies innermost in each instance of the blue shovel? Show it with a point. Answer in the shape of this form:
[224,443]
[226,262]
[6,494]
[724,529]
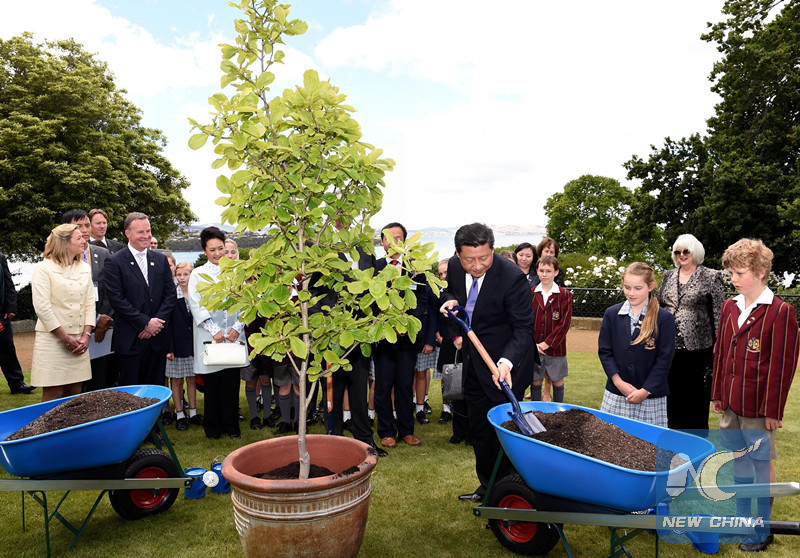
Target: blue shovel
[526,422]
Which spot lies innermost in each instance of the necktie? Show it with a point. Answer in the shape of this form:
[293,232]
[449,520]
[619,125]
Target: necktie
[143,266]
[394,263]
[472,298]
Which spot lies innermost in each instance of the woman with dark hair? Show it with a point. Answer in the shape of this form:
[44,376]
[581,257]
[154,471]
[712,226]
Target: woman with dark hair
[63,298]
[526,260]
[694,295]
[549,247]
[221,393]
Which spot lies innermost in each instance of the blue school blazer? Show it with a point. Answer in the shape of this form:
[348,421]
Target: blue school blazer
[644,365]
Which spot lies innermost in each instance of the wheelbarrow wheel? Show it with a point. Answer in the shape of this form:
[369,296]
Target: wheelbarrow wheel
[137,504]
[522,537]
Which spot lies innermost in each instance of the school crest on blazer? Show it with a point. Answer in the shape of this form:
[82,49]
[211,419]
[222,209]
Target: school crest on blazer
[754,345]
[650,343]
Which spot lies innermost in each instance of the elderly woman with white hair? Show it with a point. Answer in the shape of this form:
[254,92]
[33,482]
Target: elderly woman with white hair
[694,294]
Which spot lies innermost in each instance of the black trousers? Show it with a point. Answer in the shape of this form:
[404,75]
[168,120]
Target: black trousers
[357,384]
[394,368]
[221,403]
[484,440]
[145,368]
[9,363]
[687,402]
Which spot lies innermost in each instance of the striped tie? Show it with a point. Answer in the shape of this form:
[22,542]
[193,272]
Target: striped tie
[143,265]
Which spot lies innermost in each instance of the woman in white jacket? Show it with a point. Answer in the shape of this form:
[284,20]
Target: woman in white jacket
[221,394]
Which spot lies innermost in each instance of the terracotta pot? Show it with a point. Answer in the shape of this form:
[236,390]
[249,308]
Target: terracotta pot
[295,518]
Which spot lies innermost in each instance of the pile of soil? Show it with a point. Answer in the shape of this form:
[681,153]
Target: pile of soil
[84,408]
[584,433]
[292,471]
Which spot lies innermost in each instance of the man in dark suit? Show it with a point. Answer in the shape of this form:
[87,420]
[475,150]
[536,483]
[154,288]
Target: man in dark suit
[355,381]
[497,295]
[104,373]
[98,220]
[9,363]
[142,293]
[395,362]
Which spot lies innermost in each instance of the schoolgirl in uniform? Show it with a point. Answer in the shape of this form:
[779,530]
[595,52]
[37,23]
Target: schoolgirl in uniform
[636,344]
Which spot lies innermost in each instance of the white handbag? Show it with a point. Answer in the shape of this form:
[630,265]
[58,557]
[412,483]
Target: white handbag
[224,354]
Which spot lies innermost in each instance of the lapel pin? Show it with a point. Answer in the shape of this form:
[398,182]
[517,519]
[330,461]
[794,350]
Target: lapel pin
[151,263]
[131,263]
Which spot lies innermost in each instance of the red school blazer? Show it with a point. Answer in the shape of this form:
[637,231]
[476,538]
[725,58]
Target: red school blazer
[551,321]
[754,365]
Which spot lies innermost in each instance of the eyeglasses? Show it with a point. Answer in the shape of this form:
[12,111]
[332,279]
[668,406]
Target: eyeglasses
[685,252]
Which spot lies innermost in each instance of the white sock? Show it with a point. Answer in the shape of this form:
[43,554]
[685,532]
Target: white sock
[446,408]
[420,407]
[346,415]
[180,415]
[394,414]
[192,412]
[371,413]
[414,399]
[426,398]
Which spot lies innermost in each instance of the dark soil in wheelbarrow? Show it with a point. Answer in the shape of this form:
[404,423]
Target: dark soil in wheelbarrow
[84,408]
[582,432]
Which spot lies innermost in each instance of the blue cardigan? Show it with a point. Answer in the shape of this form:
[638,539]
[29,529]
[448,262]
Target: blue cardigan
[644,365]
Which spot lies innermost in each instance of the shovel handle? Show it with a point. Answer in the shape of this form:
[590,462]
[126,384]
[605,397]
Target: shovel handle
[474,338]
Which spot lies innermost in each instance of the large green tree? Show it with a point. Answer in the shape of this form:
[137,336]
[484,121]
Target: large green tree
[589,216]
[741,178]
[69,138]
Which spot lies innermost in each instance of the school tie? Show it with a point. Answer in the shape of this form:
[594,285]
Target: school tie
[472,298]
[395,263]
[143,265]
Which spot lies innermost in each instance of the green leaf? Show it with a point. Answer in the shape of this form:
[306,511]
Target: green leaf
[389,333]
[377,288]
[281,294]
[299,348]
[197,141]
[346,339]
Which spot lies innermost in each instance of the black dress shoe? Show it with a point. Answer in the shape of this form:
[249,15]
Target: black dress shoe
[427,408]
[380,451]
[471,497]
[445,418]
[182,424]
[455,440]
[22,388]
[255,423]
[757,546]
[283,428]
[422,418]
[346,425]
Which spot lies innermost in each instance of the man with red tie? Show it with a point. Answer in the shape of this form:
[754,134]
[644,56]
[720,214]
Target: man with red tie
[394,362]
[755,357]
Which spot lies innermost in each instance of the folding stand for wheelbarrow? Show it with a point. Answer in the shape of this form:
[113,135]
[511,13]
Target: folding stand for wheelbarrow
[145,484]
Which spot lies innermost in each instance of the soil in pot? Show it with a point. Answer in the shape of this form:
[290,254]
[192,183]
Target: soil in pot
[84,408]
[582,432]
[292,471]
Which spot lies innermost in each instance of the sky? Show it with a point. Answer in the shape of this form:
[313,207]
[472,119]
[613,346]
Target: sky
[488,108]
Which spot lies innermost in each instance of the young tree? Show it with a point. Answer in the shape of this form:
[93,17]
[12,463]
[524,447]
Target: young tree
[69,138]
[741,178]
[300,170]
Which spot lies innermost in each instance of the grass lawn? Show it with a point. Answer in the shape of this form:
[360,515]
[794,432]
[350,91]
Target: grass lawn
[413,510]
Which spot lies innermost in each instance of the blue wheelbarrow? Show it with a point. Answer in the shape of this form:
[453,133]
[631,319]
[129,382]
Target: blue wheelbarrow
[553,486]
[99,455]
